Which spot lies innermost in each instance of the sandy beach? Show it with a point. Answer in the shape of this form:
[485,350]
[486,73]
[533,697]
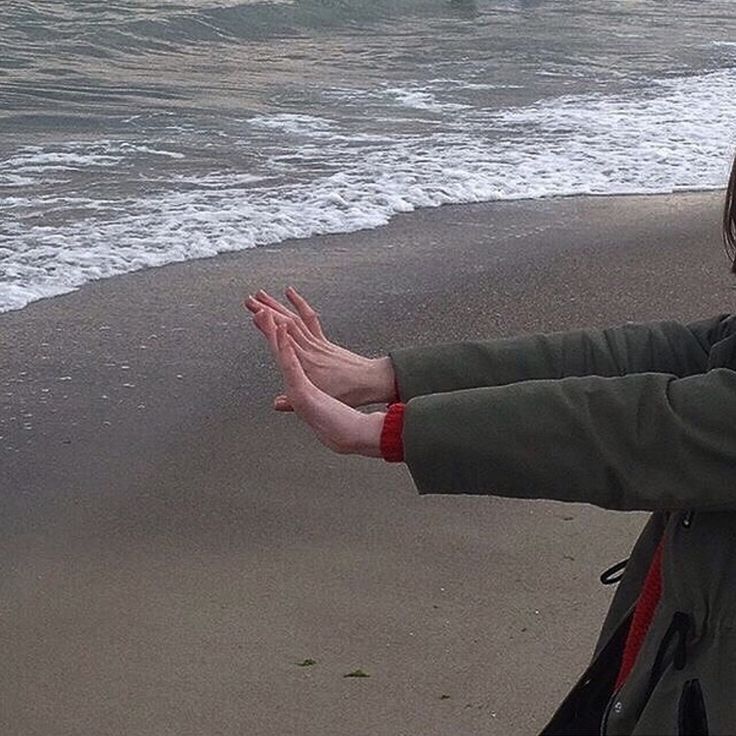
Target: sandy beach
[171,548]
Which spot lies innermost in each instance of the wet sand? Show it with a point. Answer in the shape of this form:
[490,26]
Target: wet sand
[171,548]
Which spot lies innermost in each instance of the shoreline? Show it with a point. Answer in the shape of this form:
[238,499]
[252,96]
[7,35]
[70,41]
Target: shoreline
[172,547]
[288,241]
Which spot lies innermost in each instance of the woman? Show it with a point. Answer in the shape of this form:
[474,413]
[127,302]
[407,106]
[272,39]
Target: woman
[641,416]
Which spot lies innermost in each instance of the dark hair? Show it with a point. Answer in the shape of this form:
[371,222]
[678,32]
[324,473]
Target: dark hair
[729,218]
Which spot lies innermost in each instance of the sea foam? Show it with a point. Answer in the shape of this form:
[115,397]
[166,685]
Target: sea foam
[321,176]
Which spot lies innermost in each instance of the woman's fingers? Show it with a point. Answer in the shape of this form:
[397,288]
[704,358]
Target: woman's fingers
[265,322]
[297,330]
[251,304]
[263,300]
[303,338]
[297,383]
[306,312]
[264,297]
[307,317]
[268,324]
[294,322]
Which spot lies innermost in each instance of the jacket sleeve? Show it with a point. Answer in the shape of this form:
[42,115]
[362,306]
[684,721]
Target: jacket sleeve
[666,347]
[648,441]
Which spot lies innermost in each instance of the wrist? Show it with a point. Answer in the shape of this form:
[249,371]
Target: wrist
[380,381]
[367,441]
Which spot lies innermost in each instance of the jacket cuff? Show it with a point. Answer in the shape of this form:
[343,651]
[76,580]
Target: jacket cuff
[392,444]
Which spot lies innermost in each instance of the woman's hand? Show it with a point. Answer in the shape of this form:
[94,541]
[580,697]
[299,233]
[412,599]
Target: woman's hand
[353,379]
[337,426]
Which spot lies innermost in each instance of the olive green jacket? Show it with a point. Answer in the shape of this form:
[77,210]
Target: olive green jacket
[641,416]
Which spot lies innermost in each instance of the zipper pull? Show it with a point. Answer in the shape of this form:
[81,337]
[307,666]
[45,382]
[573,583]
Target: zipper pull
[687,520]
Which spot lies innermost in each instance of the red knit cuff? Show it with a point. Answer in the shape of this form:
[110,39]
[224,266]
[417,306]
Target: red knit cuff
[392,445]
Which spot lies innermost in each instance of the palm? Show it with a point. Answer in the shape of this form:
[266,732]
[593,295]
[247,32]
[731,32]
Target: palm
[336,425]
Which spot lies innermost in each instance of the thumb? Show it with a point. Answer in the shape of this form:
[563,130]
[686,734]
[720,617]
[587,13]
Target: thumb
[281,403]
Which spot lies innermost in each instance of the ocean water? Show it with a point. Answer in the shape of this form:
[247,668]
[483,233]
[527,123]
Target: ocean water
[135,133]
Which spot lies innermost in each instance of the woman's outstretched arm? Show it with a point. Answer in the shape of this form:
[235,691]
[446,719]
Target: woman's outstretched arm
[663,347]
[646,441]
[649,441]
[657,347]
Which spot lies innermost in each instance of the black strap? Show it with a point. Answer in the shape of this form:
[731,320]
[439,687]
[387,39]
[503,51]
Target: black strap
[679,626]
[614,573]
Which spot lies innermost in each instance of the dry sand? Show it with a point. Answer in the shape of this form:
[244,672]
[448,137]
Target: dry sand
[171,548]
